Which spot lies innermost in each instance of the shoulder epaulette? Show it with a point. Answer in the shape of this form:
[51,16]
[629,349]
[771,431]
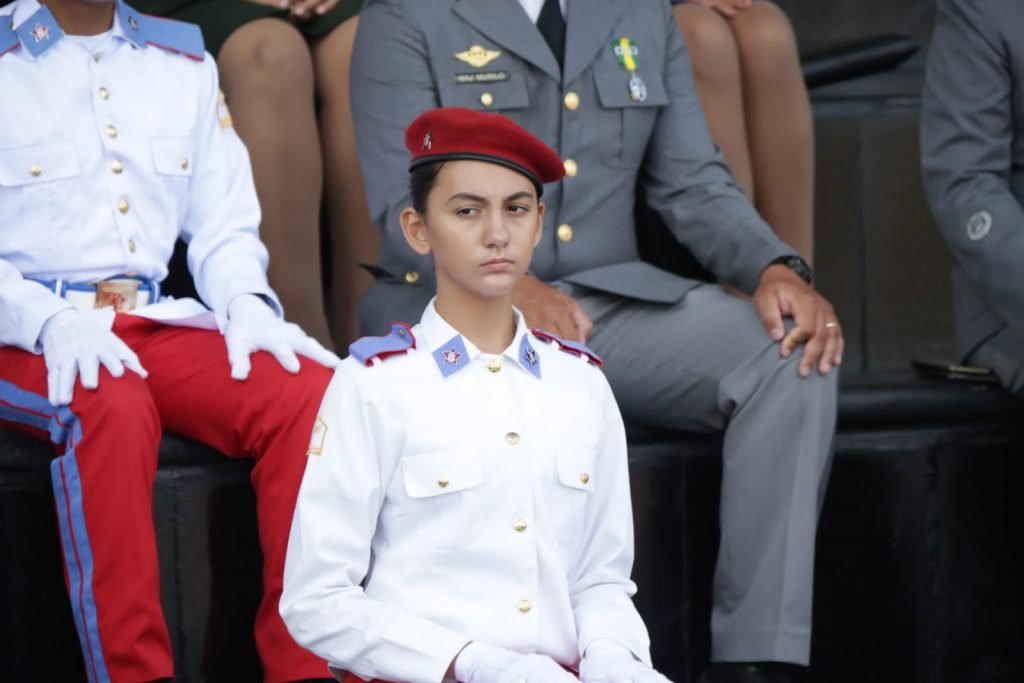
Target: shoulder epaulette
[574,348]
[373,350]
[8,36]
[171,35]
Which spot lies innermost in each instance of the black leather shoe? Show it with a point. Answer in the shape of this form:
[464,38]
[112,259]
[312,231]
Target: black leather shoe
[751,672]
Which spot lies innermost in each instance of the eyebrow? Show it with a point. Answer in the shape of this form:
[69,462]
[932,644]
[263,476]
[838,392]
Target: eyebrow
[466,196]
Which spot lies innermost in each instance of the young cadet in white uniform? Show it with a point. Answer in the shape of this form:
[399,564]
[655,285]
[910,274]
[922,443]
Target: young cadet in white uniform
[113,143]
[465,510]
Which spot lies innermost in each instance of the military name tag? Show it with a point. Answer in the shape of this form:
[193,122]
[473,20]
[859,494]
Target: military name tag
[477,77]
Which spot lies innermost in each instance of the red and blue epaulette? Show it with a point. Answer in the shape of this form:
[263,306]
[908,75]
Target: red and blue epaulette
[374,350]
[8,37]
[574,348]
[167,34]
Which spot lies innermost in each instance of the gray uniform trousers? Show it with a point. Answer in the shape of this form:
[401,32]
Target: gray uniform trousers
[723,372]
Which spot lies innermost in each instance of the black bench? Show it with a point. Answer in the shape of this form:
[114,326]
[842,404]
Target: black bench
[917,568]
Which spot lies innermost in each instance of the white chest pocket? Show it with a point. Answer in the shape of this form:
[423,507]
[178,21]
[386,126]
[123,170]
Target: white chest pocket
[35,186]
[173,163]
[442,497]
[575,463]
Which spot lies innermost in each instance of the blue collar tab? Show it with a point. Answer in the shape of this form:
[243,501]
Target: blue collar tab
[451,356]
[528,356]
[166,34]
[39,32]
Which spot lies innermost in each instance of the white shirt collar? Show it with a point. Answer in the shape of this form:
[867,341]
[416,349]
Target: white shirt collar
[533,8]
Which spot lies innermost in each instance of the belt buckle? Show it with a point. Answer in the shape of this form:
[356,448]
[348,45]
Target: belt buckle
[122,295]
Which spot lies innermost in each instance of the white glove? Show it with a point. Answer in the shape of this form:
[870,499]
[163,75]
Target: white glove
[253,326]
[74,346]
[608,661]
[479,663]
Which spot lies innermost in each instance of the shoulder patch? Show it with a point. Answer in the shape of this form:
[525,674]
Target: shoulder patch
[8,36]
[373,350]
[171,35]
[571,347]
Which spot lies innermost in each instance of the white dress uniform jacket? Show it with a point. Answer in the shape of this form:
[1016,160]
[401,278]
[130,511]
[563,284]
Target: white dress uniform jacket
[480,497]
[102,168]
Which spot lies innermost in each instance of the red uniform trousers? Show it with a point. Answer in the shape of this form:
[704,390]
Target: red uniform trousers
[107,443]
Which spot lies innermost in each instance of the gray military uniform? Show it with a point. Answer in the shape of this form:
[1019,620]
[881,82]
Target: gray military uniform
[677,353]
[972,149]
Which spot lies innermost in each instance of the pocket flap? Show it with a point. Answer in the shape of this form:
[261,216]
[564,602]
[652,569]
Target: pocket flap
[462,90]
[172,156]
[439,473]
[614,92]
[31,164]
[576,468]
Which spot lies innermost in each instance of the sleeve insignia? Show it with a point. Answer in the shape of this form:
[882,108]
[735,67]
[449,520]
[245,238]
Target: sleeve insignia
[316,441]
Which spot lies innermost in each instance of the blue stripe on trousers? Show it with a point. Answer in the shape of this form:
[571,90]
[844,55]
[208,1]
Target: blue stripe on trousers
[24,407]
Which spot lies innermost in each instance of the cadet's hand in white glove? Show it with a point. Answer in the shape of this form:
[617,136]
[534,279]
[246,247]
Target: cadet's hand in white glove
[479,663]
[74,346]
[606,661]
[253,326]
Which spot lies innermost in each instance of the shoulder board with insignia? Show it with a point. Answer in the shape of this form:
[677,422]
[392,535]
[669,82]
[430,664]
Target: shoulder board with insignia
[8,37]
[373,350]
[174,36]
[574,348]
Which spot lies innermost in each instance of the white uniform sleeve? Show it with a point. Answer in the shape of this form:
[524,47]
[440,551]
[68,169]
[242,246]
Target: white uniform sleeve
[600,587]
[24,307]
[225,255]
[323,604]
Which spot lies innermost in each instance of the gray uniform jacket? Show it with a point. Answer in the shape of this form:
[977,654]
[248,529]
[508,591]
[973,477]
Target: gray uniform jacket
[972,150]
[407,60]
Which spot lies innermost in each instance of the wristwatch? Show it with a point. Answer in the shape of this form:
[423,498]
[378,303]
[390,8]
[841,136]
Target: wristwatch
[797,265]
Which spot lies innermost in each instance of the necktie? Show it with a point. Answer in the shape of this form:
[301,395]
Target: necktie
[552,27]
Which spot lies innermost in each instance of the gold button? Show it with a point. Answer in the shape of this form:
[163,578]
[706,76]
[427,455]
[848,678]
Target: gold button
[111,132]
[564,232]
[412,277]
[512,438]
[572,101]
[116,166]
[36,171]
[487,99]
[104,93]
[131,246]
[184,164]
[571,168]
[524,606]
[122,206]
[519,525]
[442,482]
[585,478]
[494,365]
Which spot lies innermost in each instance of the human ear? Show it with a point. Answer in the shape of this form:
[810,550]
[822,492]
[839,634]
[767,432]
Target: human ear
[414,229]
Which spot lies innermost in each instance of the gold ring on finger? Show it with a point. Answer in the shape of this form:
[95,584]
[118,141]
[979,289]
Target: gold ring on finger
[830,325]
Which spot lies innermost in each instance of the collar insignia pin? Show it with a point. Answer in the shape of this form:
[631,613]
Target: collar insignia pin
[451,356]
[41,33]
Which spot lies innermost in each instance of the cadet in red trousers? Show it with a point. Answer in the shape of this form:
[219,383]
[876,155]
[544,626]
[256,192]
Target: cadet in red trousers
[115,142]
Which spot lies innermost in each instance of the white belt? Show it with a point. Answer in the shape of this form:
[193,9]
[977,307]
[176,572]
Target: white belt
[123,294]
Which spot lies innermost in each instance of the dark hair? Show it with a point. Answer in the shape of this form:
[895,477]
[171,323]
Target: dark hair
[422,180]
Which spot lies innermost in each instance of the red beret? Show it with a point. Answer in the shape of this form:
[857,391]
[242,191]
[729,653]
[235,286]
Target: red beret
[453,133]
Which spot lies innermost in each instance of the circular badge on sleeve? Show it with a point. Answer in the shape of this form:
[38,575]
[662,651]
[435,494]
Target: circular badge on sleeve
[979,225]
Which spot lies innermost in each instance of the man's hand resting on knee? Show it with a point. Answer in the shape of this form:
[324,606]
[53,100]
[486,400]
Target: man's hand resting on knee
[783,294]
